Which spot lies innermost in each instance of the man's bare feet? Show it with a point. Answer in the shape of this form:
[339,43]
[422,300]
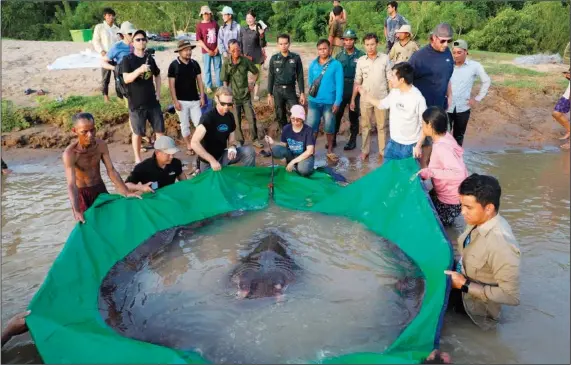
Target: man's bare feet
[566,136]
[106,98]
[6,171]
[364,156]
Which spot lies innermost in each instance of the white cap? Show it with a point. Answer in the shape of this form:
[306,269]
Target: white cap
[166,144]
[227,10]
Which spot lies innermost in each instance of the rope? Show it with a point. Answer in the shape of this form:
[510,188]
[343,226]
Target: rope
[271,184]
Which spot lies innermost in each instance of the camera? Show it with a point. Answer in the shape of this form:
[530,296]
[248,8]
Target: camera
[149,52]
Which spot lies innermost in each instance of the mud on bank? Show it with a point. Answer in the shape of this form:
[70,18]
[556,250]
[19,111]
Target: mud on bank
[508,116]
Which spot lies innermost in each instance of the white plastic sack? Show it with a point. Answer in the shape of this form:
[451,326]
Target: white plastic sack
[84,59]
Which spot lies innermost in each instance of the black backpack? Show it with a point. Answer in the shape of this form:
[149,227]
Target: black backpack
[120,85]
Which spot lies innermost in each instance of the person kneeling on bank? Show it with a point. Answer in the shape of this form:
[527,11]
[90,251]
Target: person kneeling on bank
[159,170]
[297,144]
[214,140]
[487,274]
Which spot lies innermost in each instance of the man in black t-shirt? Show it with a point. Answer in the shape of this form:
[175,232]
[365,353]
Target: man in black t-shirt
[159,170]
[214,140]
[138,70]
[187,90]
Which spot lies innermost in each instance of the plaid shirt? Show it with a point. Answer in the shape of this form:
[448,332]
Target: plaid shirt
[227,32]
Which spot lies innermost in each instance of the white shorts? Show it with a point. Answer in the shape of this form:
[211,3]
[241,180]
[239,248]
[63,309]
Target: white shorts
[567,92]
[190,110]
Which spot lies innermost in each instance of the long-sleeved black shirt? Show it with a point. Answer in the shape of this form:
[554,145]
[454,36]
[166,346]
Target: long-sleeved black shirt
[285,71]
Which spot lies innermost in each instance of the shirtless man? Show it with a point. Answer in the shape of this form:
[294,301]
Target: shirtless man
[82,160]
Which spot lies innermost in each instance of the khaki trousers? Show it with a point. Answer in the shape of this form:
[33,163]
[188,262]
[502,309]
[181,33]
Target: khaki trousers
[368,112]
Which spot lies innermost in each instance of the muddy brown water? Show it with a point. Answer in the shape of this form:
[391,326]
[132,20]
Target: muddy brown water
[36,221]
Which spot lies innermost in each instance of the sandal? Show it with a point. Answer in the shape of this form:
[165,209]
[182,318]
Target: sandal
[41,92]
[257,144]
[190,152]
[333,157]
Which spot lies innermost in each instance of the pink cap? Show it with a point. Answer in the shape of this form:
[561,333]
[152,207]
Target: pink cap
[297,111]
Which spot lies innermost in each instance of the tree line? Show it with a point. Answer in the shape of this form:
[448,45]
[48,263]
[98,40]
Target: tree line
[512,27]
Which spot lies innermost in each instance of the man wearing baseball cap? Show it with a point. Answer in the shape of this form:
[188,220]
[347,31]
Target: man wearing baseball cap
[186,89]
[348,58]
[230,30]
[207,39]
[296,145]
[465,73]
[405,47]
[159,170]
[433,67]
[118,51]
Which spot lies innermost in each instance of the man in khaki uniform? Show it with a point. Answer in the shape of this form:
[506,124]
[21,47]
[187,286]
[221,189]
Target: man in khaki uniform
[487,274]
[404,47]
[372,75]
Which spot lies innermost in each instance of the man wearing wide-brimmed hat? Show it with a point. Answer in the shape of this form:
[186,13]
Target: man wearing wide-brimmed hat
[186,88]
[403,49]
[230,30]
[207,39]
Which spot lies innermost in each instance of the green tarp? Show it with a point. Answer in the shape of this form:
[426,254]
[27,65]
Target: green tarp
[65,321]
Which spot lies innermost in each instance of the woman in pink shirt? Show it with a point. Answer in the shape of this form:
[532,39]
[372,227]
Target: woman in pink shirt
[446,168]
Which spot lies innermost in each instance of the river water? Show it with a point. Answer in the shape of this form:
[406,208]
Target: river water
[36,221]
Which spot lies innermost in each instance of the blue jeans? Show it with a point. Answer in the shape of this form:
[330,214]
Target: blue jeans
[304,168]
[208,62]
[397,151]
[245,154]
[316,112]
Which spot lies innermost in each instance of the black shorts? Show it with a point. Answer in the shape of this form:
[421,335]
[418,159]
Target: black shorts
[138,119]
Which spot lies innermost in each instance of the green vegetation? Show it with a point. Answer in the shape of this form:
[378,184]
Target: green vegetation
[12,118]
[510,27]
[60,113]
[520,84]
[507,69]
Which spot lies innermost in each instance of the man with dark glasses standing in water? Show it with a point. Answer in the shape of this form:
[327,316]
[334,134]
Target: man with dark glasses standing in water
[433,66]
[214,140]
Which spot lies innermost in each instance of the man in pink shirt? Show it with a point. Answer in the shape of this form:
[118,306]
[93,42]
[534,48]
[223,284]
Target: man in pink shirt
[446,168]
[207,39]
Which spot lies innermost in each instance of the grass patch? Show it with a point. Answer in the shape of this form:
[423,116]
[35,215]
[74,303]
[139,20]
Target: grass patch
[521,84]
[60,113]
[507,69]
[13,118]
[563,83]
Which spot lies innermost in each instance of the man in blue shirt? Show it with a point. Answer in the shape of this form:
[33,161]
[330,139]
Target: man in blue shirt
[325,103]
[433,67]
[119,50]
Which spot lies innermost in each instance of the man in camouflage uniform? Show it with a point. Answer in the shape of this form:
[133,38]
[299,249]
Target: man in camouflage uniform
[348,58]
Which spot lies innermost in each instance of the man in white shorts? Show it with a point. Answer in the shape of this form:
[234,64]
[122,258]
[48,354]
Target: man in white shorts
[187,89]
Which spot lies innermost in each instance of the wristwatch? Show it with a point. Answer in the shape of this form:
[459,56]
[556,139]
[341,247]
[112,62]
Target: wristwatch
[466,286]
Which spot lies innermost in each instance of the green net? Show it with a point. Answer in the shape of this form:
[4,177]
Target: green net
[66,323]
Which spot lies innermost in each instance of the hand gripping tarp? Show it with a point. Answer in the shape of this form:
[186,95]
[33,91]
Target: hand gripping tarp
[65,321]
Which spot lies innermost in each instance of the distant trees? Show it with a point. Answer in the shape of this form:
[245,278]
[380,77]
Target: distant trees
[513,26]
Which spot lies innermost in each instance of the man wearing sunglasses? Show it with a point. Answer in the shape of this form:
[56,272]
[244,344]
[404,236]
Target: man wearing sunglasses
[139,69]
[214,140]
[433,66]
